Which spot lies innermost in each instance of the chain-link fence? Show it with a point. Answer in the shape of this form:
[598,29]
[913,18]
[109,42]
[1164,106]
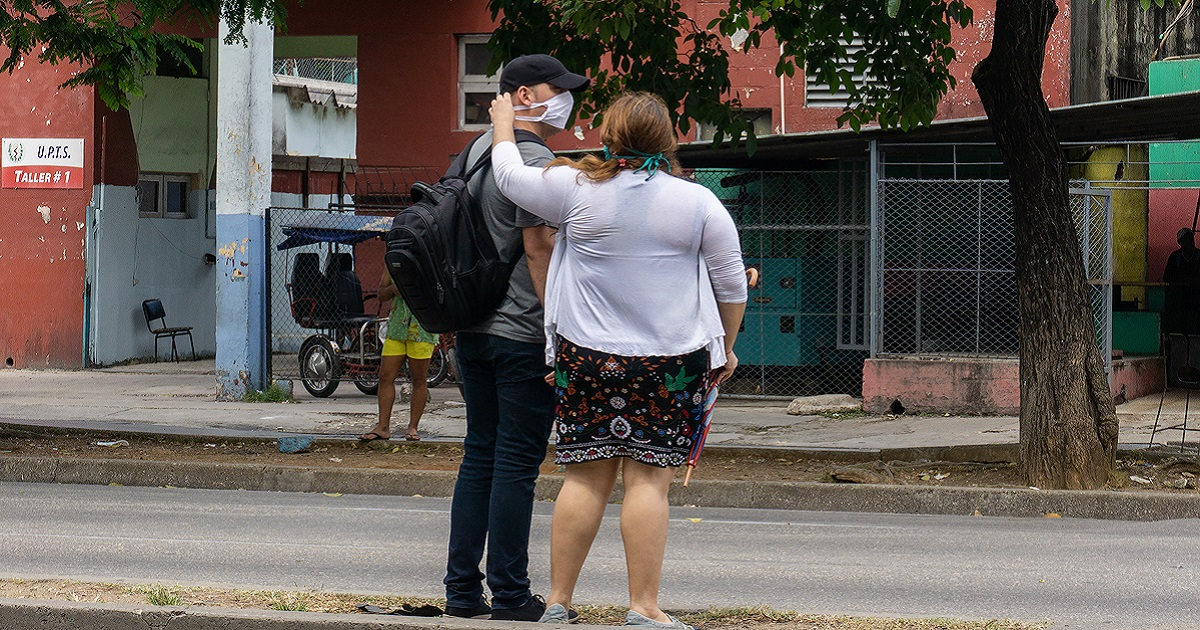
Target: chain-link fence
[947,278]
[336,69]
[946,266]
[807,233]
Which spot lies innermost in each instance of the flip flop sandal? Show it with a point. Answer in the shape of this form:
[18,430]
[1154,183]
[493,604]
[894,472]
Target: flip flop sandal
[371,437]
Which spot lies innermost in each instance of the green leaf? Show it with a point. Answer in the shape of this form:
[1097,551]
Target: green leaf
[560,378]
[678,382]
[893,8]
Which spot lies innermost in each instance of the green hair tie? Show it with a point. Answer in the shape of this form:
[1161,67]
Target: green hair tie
[650,161]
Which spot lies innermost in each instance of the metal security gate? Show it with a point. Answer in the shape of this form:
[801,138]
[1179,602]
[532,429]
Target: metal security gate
[807,232]
[1092,209]
[946,273]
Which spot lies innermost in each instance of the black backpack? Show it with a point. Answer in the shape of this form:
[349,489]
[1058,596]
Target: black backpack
[441,255]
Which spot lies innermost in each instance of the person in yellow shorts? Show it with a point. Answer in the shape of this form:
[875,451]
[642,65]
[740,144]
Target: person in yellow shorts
[405,340]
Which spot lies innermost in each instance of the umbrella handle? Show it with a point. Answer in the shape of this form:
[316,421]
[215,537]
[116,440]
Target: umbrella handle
[687,475]
[751,277]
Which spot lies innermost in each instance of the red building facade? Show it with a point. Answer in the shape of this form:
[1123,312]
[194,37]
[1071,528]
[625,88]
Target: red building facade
[408,115]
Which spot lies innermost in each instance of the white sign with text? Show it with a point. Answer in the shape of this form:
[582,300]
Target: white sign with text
[42,162]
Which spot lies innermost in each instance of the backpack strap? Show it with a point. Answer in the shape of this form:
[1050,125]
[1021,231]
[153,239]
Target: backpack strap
[485,160]
[459,165]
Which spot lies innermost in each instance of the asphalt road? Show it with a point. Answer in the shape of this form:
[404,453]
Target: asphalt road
[1079,573]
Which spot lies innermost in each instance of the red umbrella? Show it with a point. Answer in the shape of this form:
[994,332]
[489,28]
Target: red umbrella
[710,401]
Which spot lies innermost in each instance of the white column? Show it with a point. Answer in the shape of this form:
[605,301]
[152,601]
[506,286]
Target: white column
[242,196]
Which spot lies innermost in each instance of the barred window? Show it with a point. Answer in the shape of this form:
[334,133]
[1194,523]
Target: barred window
[476,88]
[817,94]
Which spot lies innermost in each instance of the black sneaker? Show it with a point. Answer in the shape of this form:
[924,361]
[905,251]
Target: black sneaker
[479,610]
[531,610]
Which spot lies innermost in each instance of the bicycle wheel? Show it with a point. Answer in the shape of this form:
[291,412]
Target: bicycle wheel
[368,384]
[367,377]
[320,366]
[452,369]
[438,367]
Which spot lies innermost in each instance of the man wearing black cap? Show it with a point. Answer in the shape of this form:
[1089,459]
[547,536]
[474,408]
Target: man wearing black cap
[510,407]
[1181,313]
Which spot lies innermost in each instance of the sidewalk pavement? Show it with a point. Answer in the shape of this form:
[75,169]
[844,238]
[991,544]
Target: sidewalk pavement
[179,399]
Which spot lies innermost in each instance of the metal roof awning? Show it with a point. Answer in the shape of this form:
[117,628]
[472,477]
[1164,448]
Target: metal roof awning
[332,227]
[318,92]
[1163,118]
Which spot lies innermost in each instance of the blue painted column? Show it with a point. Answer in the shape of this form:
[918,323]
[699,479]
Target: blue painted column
[243,194]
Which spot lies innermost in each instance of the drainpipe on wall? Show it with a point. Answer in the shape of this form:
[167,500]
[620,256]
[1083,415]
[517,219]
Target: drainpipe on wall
[875,264]
[782,101]
[91,232]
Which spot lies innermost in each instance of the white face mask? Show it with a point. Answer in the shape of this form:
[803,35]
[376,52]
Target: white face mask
[558,110]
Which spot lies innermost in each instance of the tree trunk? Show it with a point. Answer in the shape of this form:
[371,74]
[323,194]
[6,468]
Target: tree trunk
[1068,422]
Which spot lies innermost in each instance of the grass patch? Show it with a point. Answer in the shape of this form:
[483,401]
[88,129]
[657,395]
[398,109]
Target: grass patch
[161,596]
[272,394]
[761,618]
[289,601]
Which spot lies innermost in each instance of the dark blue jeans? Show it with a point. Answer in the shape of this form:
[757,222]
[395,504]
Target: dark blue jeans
[510,410]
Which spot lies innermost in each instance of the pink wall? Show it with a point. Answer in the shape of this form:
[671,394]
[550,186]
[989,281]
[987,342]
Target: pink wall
[1169,211]
[42,239]
[978,386]
[984,386]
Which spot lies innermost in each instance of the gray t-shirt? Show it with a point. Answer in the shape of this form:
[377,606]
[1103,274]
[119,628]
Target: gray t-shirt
[519,315]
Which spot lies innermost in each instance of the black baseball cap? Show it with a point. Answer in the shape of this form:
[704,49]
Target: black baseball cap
[530,70]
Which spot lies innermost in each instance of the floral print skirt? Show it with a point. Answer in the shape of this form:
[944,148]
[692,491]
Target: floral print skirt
[644,408]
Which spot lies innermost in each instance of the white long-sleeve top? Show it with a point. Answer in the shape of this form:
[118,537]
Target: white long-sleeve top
[639,266]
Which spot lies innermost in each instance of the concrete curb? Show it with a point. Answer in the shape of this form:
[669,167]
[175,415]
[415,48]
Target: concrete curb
[55,615]
[1012,502]
[1097,504]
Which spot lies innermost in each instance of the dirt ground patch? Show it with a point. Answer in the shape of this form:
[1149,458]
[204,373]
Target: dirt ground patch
[325,602]
[1134,473]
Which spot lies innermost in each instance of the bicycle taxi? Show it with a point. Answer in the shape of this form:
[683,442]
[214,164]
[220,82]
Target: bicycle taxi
[346,338]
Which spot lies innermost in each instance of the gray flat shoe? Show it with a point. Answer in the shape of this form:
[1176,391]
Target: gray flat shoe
[639,620]
[555,613]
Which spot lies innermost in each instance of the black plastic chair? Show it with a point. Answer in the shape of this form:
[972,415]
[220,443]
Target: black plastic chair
[153,310]
[1182,367]
[347,290]
[312,301]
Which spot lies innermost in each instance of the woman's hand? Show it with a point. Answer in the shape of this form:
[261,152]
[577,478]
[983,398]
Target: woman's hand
[726,371]
[502,112]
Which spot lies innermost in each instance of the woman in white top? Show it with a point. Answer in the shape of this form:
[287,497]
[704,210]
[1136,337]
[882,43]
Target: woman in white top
[645,294]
